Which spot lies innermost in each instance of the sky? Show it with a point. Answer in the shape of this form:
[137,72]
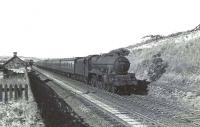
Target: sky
[71,28]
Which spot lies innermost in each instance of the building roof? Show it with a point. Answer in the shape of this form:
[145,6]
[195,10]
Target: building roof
[15,56]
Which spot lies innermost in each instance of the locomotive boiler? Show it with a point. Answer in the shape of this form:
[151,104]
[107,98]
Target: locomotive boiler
[112,64]
[107,71]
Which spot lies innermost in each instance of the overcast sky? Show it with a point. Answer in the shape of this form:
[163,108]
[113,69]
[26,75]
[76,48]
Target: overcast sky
[61,28]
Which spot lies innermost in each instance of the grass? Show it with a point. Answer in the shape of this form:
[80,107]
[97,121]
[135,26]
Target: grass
[182,54]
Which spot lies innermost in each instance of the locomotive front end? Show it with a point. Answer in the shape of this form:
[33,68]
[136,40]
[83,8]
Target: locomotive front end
[121,65]
[127,84]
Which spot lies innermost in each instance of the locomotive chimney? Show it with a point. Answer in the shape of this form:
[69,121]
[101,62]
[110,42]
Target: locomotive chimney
[15,53]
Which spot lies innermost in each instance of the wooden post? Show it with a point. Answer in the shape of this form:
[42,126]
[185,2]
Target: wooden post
[20,91]
[15,90]
[1,93]
[26,91]
[11,91]
[6,93]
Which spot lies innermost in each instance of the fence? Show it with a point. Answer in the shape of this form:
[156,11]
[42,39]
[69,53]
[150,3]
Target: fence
[13,92]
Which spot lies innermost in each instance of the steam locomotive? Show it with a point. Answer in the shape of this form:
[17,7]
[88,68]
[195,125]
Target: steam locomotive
[107,71]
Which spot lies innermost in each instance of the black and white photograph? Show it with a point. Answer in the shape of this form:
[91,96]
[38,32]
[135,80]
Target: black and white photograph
[99,63]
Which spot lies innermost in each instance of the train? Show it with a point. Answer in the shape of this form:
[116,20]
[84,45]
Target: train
[107,71]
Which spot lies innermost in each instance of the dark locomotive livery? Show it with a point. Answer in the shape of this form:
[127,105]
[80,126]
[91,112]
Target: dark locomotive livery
[108,71]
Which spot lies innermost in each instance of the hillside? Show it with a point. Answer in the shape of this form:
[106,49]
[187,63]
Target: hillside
[172,65]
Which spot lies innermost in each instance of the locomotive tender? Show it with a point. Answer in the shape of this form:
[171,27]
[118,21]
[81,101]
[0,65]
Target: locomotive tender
[108,71]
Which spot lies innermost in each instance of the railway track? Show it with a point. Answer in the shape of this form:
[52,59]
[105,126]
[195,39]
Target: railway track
[170,114]
[179,115]
[117,114]
[141,110]
[166,112]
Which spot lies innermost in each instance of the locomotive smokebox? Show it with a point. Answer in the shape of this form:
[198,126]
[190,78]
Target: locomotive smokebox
[121,65]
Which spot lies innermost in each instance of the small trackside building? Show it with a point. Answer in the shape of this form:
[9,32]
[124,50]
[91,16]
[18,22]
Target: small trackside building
[14,63]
